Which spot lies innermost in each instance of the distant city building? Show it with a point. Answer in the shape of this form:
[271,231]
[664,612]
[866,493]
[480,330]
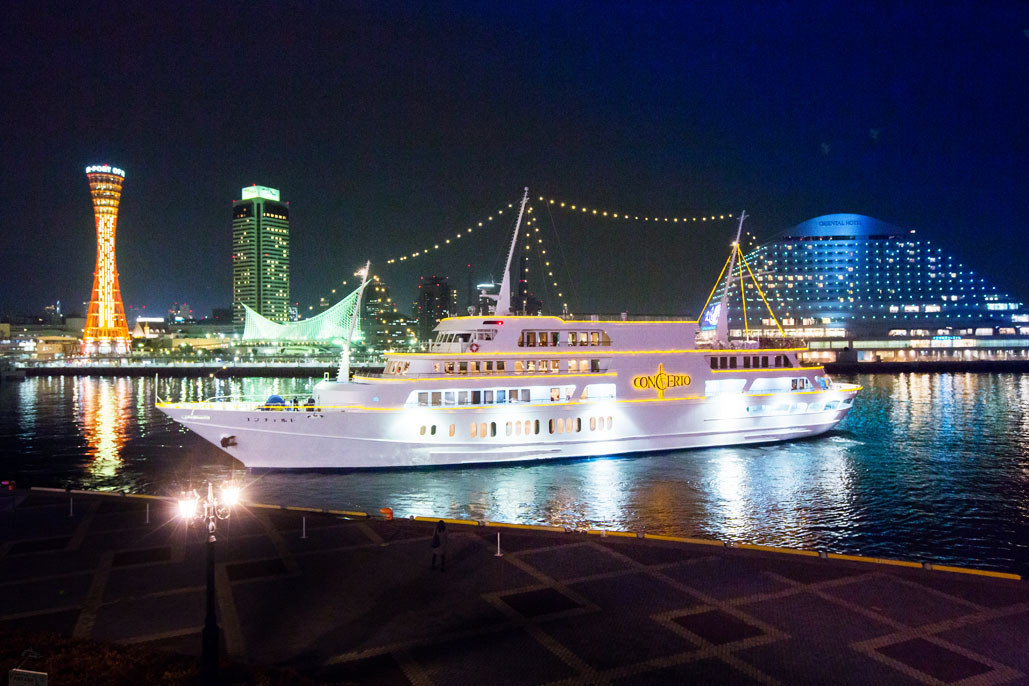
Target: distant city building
[221,315]
[847,281]
[106,328]
[52,314]
[260,254]
[150,327]
[386,329]
[436,301]
[179,314]
[395,331]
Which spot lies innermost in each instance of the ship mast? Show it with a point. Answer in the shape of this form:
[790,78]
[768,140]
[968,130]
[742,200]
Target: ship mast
[722,327]
[344,362]
[504,299]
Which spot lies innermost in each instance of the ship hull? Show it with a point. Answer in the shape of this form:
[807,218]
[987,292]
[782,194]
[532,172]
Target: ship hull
[423,437]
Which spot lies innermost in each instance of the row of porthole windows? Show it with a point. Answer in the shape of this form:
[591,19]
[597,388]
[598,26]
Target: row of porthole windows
[527,427]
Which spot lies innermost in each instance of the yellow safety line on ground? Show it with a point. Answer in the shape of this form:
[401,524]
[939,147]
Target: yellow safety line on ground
[605,532]
[978,572]
[348,513]
[595,532]
[683,539]
[528,527]
[776,549]
[874,560]
[469,522]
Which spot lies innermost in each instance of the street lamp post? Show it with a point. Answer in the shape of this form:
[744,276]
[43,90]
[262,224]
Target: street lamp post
[209,510]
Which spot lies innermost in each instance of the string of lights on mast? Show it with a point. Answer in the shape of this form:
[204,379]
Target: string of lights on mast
[532,232]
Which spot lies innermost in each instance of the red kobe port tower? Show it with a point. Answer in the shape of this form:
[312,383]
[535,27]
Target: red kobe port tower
[106,329]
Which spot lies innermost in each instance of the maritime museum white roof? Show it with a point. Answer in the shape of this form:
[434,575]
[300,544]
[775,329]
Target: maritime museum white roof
[332,324]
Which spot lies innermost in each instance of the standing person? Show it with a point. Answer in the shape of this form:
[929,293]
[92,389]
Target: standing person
[439,545]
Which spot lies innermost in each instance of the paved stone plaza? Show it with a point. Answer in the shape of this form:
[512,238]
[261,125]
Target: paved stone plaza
[356,602]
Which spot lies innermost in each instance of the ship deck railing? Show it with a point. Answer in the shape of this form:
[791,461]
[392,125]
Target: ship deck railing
[458,375]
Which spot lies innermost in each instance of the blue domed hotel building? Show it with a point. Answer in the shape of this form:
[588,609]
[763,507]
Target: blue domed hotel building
[859,289]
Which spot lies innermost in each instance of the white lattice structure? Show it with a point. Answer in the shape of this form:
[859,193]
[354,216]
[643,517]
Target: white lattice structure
[332,324]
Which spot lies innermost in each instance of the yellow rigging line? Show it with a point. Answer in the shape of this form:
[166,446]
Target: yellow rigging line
[758,287]
[743,297]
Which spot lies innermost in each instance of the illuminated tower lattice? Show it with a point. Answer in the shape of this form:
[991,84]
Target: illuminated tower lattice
[106,329]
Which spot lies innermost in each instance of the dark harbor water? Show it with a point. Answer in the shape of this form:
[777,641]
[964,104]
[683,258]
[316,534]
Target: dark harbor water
[928,467]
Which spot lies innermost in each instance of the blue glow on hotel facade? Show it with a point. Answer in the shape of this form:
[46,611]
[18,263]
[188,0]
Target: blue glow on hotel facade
[855,283]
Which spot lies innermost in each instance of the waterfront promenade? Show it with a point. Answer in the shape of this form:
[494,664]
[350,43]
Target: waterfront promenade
[353,600]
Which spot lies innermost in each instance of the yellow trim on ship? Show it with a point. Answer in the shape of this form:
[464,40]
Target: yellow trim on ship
[593,350]
[489,377]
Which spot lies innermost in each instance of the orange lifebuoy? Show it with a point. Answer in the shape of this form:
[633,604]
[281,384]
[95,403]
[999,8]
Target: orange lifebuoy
[474,347]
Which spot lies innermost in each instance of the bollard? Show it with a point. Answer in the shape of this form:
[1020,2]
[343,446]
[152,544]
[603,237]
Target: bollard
[499,554]
[71,506]
[303,529]
[148,513]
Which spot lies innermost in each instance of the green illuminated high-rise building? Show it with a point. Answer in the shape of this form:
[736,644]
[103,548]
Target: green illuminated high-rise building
[260,254]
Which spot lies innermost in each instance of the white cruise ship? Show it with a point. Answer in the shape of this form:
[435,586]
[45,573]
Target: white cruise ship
[500,388]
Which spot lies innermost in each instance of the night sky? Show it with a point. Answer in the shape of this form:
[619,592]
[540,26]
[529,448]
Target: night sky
[390,126]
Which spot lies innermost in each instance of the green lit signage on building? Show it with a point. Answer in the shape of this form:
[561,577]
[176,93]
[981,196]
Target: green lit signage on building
[256,191]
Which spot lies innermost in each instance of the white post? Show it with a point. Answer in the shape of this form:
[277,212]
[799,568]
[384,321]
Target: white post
[71,506]
[499,554]
[344,364]
[303,524]
[504,298]
[148,513]
[722,326]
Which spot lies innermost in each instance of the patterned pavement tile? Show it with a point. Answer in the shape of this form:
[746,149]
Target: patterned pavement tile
[642,592]
[819,621]
[144,616]
[709,671]
[62,622]
[717,627]
[614,639]
[127,582]
[905,603]
[30,596]
[800,661]
[725,577]
[985,592]
[139,556]
[937,661]
[255,569]
[649,553]
[40,545]
[511,542]
[813,572]
[572,561]
[1005,639]
[25,567]
[505,657]
[377,670]
[543,601]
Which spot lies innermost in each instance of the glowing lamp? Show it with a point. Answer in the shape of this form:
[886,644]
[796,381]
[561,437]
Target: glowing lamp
[230,494]
[187,506]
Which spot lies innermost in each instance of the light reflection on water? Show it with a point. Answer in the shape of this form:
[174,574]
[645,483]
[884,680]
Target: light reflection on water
[931,467]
